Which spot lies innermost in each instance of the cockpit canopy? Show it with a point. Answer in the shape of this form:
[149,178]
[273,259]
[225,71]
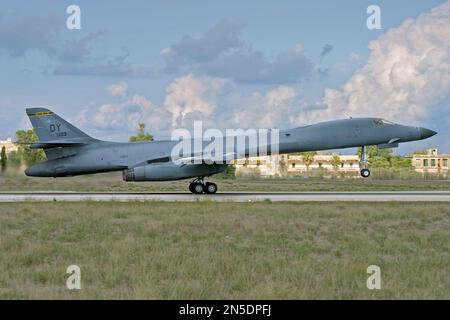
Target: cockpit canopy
[380,122]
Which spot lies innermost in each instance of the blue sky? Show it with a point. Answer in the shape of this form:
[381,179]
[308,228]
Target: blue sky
[230,64]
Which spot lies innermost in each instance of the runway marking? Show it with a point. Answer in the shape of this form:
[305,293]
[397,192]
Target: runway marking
[366,196]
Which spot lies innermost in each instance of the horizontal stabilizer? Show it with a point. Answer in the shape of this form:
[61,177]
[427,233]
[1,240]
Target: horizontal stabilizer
[222,158]
[51,144]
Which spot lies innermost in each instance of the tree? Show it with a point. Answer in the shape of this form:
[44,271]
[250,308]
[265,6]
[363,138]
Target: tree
[3,158]
[141,134]
[24,153]
[383,158]
[283,163]
[308,158]
[228,173]
[421,152]
[378,158]
[379,162]
[14,158]
[400,162]
[336,161]
[374,151]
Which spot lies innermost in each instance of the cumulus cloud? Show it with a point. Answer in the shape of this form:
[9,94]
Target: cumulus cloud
[189,94]
[126,114]
[265,110]
[78,50]
[246,65]
[118,89]
[407,73]
[100,66]
[20,35]
[223,36]
[188,98]
[23,34]
[221,53]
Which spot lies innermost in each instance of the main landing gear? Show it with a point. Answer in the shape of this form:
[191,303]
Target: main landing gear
[199,186]
[365,172]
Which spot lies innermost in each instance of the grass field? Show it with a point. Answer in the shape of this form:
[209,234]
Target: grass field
[113,182]
[224,250]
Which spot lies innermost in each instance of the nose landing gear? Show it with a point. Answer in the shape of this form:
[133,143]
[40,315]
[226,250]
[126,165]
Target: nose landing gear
[199,186]
[365,172]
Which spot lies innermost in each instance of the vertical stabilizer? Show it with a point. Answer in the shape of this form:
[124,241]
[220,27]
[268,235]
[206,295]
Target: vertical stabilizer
[50,127]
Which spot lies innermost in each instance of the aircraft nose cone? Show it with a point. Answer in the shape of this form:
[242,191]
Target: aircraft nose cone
[426,133]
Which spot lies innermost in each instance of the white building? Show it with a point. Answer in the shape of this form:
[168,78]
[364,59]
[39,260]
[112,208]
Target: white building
[432,162]
[347,163]
[8,144]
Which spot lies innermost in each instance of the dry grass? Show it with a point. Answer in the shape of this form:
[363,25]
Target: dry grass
[224,250]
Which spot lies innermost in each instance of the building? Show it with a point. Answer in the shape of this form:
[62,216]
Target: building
[431,162]
[8,144]
[264,166]
[348,163]
[292,164]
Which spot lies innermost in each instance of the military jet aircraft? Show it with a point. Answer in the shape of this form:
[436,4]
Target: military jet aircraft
[72,152]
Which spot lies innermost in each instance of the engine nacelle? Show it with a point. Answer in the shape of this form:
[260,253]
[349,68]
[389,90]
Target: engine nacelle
[171,171]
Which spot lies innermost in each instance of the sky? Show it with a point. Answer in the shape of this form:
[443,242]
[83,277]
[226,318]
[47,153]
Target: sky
[230,64]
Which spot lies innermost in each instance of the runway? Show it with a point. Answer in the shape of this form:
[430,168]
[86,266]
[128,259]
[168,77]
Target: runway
[370,196]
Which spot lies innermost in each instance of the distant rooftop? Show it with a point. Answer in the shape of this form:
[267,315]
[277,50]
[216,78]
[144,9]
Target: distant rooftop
[430,152]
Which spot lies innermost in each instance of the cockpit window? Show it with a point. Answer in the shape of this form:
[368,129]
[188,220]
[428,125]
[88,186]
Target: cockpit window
[380,122]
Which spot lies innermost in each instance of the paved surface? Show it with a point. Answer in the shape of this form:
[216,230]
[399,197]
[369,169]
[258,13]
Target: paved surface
[229,196]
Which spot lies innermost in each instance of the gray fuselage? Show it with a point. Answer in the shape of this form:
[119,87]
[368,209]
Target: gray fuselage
[102,156]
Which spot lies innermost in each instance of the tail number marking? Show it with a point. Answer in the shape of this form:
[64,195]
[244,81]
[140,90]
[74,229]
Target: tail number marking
[57,129]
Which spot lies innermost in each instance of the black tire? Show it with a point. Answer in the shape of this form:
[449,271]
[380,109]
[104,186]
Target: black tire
[365,173]
[191,187]
[198,188]
[210,188]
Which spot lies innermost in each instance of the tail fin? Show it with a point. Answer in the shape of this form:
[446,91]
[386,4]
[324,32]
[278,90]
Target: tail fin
[50,128]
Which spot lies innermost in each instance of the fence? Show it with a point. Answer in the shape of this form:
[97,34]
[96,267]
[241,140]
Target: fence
[376,174]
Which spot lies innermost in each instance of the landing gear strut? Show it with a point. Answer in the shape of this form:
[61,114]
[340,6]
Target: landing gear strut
[365,172]
[199,186]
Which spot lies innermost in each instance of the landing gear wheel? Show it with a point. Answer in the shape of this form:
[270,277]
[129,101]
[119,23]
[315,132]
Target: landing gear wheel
[210,188]
[197,188]
[365,173]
